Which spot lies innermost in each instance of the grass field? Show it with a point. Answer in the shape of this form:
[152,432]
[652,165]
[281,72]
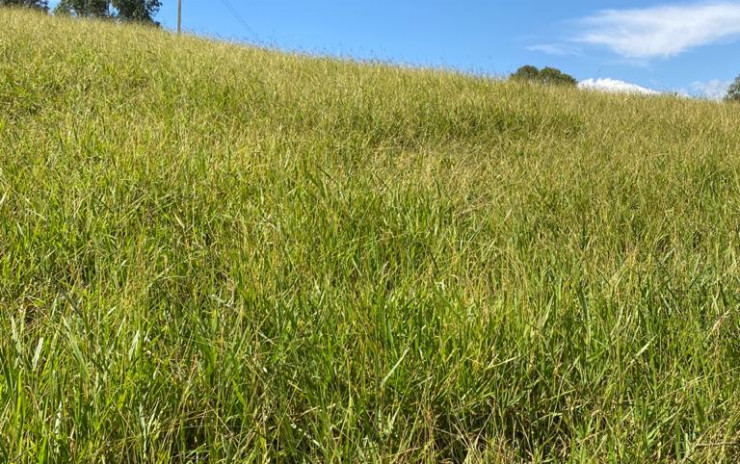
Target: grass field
[217,254]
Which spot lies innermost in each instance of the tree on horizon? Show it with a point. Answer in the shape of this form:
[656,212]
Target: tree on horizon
[36,4]
[733,93]
[142,11]
[546,76]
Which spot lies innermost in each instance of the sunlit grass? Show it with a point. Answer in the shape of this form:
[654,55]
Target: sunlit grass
[217,254]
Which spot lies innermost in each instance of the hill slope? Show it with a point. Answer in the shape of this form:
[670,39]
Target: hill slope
[212,253]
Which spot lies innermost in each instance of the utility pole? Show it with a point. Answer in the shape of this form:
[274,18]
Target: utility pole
[179,16]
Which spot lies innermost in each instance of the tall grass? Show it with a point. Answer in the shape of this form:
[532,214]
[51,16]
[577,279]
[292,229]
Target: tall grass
[217,254]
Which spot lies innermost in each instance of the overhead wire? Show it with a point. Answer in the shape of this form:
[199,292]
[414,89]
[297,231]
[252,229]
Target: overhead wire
[235,13]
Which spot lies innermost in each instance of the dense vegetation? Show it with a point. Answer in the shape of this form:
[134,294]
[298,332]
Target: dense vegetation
[142,11]
[36,4]
[218,254]
[733,93]
[544,76]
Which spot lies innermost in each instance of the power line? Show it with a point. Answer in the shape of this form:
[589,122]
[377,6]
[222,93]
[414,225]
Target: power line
[240,19]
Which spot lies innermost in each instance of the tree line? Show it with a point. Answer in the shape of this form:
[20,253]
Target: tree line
[553,76]
[142,11]
[733,93]
[545,76]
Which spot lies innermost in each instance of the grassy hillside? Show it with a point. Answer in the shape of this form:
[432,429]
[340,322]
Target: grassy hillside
[216,254]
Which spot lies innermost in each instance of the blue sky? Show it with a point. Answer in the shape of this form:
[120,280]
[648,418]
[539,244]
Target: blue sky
[671,46]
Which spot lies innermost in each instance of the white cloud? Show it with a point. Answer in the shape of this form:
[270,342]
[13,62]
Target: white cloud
[715,89]
[615,86]
[662,31]
[555,49]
